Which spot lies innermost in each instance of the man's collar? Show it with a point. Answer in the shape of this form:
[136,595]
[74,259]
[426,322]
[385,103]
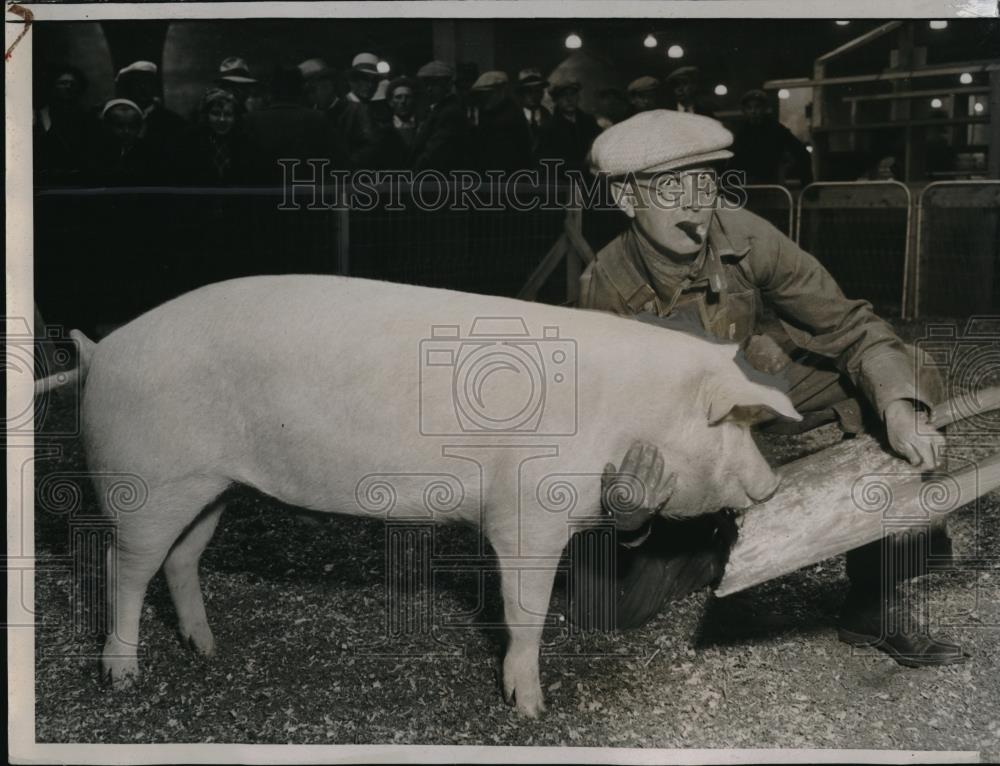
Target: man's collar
[720,242]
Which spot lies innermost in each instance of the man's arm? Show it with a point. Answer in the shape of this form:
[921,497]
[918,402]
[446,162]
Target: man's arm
[820,318]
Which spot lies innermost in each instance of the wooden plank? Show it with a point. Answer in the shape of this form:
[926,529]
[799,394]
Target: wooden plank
[987,65]
[848,495]
[918,93]
[861,40]
[544,269]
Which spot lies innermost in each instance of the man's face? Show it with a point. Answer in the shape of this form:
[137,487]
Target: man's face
[221,117]
[363,85]
[754,112]
[320,92]
[490,99]
[401,102]
[673,209]
[125,124]
[142,87]
[684,90]
[531,96]
[66,88]
[437,88]
[643,101]
[567,100]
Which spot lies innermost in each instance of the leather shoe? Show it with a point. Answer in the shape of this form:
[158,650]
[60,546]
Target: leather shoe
[898,635]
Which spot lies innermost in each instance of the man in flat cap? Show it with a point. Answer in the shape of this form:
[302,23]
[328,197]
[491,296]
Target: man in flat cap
[643,93]
[683,86]
[393,143]
[718,270]
[571,131]
[352,134]
[501,137]
[530,91]
[765,150]
[164,130]
[442,140]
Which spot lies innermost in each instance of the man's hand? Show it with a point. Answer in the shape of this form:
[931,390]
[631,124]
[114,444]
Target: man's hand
[637,491]
[912,436]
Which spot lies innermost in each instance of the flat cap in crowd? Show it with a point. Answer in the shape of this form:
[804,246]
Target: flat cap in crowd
[643,84]
[490,80]
[684,73]
[313,69]
[530,78]
[658,140]
[436,69]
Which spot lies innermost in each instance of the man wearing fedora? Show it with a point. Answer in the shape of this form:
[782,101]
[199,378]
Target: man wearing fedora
[234,76]
[719,271]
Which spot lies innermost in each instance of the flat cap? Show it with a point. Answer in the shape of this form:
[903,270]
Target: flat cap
[684,73]
[661,139]
[137,67]
[436,69]
[490,80]
[313,69]
[643,84]
[531,77]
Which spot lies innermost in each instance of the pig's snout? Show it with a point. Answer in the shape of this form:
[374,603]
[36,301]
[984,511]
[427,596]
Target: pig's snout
[763,489]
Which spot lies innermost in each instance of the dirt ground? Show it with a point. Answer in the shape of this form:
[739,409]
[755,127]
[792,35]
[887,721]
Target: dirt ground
[298,611]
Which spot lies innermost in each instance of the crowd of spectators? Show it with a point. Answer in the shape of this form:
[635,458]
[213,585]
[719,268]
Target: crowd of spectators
[440,119]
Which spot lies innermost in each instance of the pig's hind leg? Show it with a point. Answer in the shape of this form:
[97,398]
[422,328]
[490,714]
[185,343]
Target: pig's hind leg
[143,540]
[181,571]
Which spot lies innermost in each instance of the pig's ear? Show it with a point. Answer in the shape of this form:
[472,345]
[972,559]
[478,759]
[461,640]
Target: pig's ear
[736,398]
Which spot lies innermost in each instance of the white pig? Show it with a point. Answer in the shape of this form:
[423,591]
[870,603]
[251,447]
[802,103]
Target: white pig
[326,391]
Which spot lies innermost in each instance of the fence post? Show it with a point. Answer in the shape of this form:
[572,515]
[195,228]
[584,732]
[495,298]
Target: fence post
[344,241]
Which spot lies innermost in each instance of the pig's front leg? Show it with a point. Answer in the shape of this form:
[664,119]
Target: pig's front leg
[526,595]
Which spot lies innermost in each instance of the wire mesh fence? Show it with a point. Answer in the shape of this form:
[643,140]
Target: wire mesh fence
[774,204]
[860,232]
[104,256]
[958,249]
[485,248]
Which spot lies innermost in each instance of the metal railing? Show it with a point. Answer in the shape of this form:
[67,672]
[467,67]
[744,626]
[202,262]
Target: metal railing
[775,204]
[859,230]
[957,258]
[104,256]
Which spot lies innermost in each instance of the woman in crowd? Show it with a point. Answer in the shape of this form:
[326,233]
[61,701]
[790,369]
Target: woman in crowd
[215,151]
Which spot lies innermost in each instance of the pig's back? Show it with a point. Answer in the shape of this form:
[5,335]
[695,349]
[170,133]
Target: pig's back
[328,374]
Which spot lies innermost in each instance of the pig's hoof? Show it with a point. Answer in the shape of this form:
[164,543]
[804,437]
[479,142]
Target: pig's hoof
[525,695]
[122,672]
[200,639]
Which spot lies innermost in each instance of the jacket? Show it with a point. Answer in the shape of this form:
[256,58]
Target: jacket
[749,267]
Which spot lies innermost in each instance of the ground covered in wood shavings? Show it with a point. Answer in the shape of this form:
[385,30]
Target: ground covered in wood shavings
[298,609]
